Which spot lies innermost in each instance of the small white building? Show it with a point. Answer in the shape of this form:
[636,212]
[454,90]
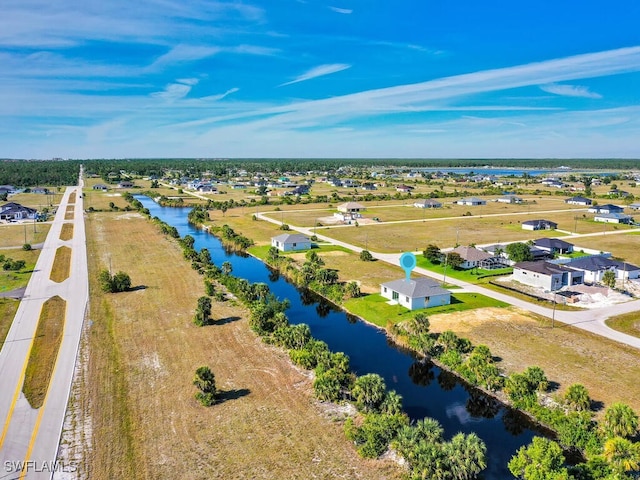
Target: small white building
[471,201]
[416,293]
[351,207]
[545,275]
[583,201]
[289,242]
[509,199]
[427,203]
[539,225]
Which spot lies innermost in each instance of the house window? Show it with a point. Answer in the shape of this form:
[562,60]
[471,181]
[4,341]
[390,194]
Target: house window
[294,245]
[385,289]
[406,299]
[395,296]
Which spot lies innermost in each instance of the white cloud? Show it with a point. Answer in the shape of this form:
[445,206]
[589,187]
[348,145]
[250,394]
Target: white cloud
[569,90]
[184,53]
[318,71]
[173,91]
[220,96]
[345,11]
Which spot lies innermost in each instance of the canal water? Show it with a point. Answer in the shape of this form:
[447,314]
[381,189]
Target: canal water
[426,390]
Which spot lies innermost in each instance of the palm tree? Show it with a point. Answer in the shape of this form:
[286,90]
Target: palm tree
[227,268]
[620,420]
[369,392]
[577,397]
[467,456]
[622,454]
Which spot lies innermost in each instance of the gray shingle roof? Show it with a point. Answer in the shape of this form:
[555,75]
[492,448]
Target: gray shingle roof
[416,288]
[291,238]
[598,262]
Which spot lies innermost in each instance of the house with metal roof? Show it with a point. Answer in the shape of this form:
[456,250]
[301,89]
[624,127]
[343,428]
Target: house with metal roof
[288,242]
[539,225]
[546,275]
[416,293]
[613,218]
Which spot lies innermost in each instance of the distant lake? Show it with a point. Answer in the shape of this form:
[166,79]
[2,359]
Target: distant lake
[506,172]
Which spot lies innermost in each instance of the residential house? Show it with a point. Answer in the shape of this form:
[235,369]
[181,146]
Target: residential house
[14,211]
[595,266]
[416,293]
[471,256]
[40,190]
[509,199]
[633,206]
[613,218]
[607,208]
[552,182]
[427,203]
[539,225]
[351,207]
[545,275]
[402,188]
[100,186]
[8,189]
[125,184]
[578,201]
[288,242]
[553,245]
[471,201]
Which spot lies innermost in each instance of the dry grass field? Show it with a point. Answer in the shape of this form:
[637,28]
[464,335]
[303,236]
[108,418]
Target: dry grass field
[61,265]
[13,235]
[44,351]
[68,215]
[567,355]
[622,245]
[143,350]
[67,232]
[72,198]
[37,200]
[8,308]
[259,231]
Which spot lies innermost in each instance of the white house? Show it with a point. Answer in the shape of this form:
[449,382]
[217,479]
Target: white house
[613,218]
[635,206]
[595,266]
[509,199]
[416,293]
[607,208]
[14,211]
[548,276]
[351,207]
[471,201]
[578,201]
[539,225]
[288,242]
[427,203]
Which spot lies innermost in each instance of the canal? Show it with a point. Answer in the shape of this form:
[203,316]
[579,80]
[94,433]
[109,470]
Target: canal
[426,390]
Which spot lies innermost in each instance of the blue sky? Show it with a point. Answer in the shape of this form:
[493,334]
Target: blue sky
[319,78]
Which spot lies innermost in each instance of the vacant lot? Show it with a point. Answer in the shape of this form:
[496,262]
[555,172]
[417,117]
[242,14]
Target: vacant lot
[10,280]
[622,245]
[17,235]
[567,355]
[143,352]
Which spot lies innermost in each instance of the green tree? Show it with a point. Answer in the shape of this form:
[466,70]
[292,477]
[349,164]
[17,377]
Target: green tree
[620,420]
[622,454]
[369,392]
[314,259]
[454,260]
[433,254]
[203,312]
[609,278]
[537,378]
[120,282]
[519,252]
[577,397]
[542,459]
[205,381]
[353,289]
[467,456]
[327,386]
[273,254]
[365,256]
[227,268]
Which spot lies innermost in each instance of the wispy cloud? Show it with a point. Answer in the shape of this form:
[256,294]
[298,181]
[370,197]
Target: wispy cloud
[345,11]
[318,71]
[215,98]
[184,53]
[569,90]
[176,91]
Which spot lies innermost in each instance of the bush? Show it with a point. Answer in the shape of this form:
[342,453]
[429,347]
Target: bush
[365,256]
[26,247]
[120,282]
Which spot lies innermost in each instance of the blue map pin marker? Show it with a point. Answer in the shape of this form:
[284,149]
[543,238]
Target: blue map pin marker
[408,263]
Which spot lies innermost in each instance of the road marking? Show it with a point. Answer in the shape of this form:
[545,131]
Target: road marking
[16,394]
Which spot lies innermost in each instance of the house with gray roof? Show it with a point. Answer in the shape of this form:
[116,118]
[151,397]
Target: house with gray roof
[553,245]
[471,256]
[606,208]
[594,268]
[613,218]
[546,275]
[427,203]
[539,225]
[288,242]
[509,199]
[471,201]
[14,211]
[578,201]
[416,293]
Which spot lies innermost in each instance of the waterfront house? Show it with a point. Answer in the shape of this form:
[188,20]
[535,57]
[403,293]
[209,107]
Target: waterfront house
[416,293]
[288,242]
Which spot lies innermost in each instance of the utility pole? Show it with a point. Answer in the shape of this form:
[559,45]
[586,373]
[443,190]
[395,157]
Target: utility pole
[444,277]
[553,316]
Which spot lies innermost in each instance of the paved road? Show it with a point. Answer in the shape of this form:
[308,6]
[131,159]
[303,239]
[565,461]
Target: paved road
[589,320]
[32,435]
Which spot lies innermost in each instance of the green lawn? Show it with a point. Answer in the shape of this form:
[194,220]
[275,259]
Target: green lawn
[375,309]
[474,275]
[628,323]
